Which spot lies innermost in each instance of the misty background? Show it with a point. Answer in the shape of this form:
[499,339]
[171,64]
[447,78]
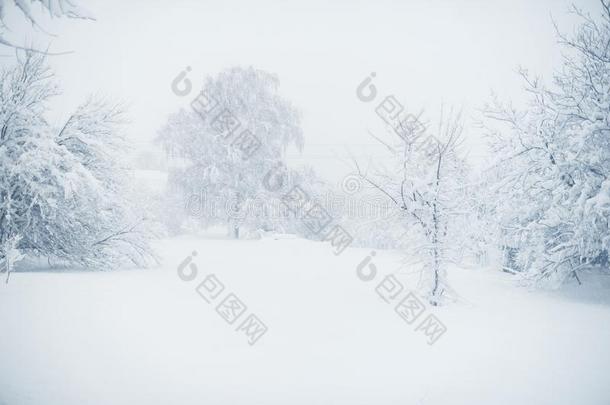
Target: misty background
[426,53]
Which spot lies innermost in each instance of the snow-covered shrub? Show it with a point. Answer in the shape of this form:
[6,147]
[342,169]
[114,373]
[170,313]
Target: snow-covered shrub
[554,194]
[9,255]
[64,191]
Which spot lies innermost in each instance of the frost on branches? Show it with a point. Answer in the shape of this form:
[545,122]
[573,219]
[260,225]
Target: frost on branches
[554,192]
[63,191]
[427,186]
[30,11]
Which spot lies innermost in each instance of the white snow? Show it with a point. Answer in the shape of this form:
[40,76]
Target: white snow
[146,337]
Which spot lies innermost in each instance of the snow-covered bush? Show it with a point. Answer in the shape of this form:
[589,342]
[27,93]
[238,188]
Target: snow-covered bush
[554,194]
[65,190]
[9,255]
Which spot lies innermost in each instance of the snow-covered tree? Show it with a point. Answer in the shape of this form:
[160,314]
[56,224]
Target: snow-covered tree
[64,191]
[554,156]
[238,129]
[427,186]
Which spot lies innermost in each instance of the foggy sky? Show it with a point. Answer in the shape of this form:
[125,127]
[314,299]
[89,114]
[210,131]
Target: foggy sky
[423,52]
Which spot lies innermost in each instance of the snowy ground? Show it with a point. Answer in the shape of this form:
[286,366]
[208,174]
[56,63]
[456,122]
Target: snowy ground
[146,337]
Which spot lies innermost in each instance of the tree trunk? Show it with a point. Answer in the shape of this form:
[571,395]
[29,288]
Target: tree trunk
[436,285]
[435,240]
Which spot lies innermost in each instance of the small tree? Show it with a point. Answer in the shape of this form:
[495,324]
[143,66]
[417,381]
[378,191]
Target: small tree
[427,186]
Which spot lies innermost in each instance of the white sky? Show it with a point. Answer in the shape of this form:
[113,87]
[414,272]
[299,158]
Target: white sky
[423,51]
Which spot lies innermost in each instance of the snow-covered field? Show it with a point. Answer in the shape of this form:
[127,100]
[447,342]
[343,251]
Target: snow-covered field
[146,336]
